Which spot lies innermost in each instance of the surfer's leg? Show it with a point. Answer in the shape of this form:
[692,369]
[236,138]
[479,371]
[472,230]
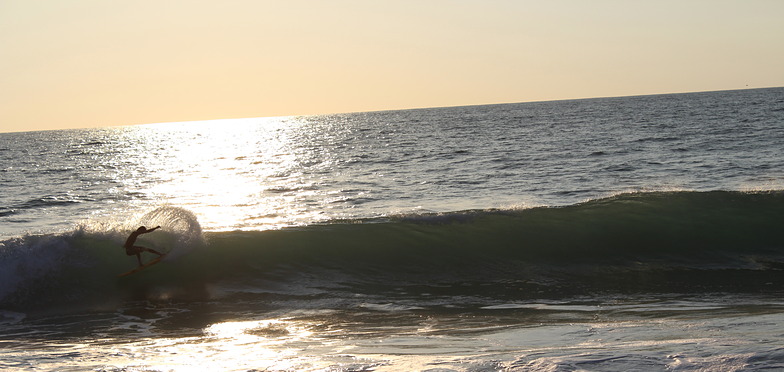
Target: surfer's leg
[145,249]
[153,251]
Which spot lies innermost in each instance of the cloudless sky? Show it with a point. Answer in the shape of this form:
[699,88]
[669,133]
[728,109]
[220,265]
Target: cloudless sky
[90,63]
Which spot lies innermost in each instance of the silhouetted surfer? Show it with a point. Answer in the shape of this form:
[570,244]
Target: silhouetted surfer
[131,249]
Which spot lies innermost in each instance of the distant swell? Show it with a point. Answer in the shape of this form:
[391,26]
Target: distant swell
[37,203]
[639,242]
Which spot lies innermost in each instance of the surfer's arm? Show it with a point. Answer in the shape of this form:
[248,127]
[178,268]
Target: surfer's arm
[151,230]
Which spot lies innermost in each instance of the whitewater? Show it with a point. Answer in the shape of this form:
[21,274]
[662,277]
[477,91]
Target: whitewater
[609,234]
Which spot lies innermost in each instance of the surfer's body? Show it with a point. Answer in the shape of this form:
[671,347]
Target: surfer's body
[131,249]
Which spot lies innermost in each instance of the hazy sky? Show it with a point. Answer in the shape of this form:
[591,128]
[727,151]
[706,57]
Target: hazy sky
[87,63]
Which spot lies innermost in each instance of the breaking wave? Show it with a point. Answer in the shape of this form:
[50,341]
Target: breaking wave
[636,242]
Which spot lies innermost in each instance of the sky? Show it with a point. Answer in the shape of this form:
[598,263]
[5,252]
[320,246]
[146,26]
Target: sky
[96,63]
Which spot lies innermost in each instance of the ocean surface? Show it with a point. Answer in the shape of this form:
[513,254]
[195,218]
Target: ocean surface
[614,234]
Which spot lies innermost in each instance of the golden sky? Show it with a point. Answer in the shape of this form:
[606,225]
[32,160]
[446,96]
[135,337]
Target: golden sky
[92,63]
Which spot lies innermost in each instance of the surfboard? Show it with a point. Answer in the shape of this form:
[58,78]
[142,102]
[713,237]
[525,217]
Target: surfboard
[140,268]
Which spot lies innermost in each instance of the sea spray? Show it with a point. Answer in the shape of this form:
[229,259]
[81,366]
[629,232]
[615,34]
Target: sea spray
[180,229]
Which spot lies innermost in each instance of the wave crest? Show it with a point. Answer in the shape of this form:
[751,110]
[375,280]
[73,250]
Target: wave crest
[641,242]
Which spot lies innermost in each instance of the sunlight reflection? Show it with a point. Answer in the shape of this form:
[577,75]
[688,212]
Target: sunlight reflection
[278,329]
[233,174]
[274,344]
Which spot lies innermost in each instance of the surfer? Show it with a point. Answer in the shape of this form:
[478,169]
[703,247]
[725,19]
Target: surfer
[131,249]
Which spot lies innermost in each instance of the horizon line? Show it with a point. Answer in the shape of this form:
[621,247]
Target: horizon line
[393,109]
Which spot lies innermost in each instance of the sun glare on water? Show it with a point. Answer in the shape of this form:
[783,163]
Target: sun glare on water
[232,174]
[271,344]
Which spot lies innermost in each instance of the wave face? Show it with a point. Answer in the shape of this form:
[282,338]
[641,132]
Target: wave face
[662,242]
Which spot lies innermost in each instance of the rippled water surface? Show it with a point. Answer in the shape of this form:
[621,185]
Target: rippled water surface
[614,234]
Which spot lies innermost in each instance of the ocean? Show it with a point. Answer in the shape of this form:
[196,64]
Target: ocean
[612,234]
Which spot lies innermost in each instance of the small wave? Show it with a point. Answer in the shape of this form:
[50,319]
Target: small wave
[56,170]
[658,139]
[46,201]
[7,212]
[291,188]
[92,143]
